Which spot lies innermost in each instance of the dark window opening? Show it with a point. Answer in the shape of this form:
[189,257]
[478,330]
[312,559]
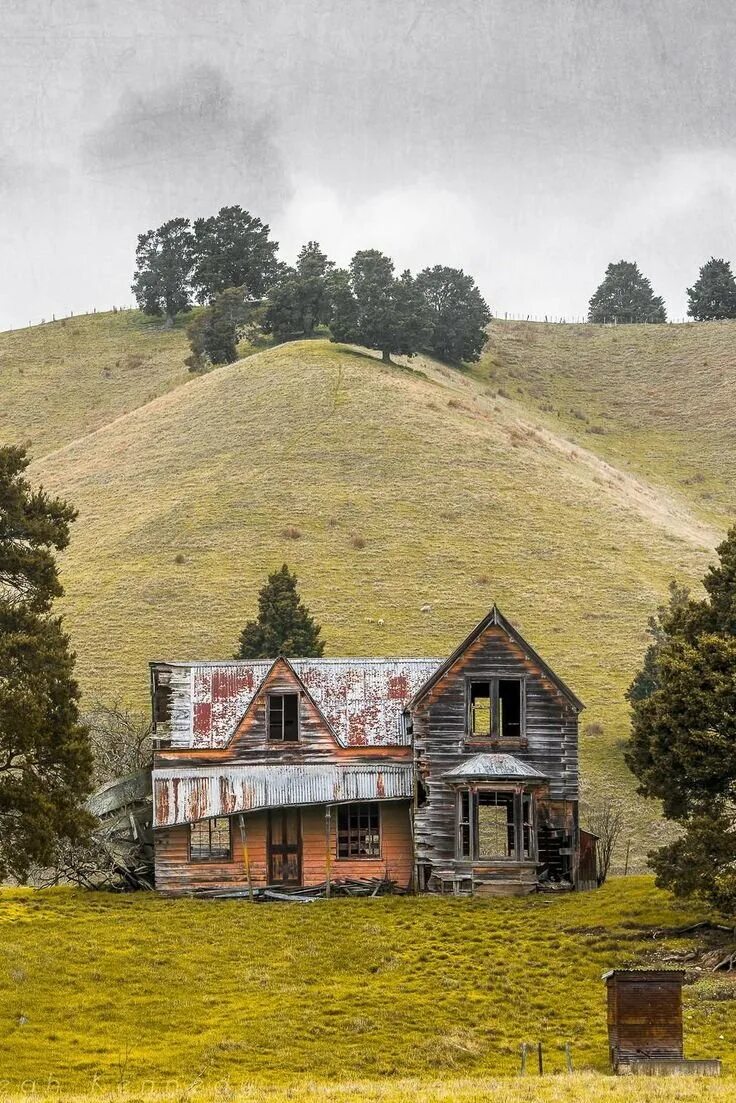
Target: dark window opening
[209,840]
[161,703]
[465,826]
[358,831]
[283,717]
[509,708]
[495,709]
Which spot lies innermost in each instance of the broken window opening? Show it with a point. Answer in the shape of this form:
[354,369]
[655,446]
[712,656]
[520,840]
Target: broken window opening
[210,841]
[161,703]
[495,825]
[495,709]
[283,717]
[358,831]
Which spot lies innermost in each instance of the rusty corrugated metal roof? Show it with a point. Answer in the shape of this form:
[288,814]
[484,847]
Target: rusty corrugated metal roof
[185,795]
[363,700]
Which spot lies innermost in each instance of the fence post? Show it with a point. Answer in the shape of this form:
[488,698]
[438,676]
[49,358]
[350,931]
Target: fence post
[523,1058]
[568,1056]
[540,1058]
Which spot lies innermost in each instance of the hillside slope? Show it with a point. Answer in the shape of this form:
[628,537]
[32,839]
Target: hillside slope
[660,399]
[65,379]
[388,490]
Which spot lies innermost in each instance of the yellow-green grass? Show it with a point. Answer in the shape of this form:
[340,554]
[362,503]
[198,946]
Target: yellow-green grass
[65,379]
[150,989]
[574,1088]
[659,398]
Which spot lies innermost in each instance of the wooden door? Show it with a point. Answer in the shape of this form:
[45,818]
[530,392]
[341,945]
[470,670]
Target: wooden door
[285,847]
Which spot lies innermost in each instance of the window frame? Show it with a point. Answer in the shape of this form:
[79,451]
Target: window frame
[524,825]
[494,736]
[211,859]
[347,808]
[275,740]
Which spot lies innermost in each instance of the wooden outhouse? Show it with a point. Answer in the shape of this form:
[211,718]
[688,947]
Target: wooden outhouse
[645,1023]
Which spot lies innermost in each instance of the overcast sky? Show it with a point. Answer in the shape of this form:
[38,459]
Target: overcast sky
[528,141]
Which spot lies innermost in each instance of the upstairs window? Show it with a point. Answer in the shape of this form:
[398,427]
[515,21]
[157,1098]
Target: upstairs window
[495,709]
[283,717]
[161,701]
[209,840]
[358,831]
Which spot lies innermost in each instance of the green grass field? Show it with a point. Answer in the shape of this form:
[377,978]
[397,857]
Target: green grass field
[99,991]
[387,489]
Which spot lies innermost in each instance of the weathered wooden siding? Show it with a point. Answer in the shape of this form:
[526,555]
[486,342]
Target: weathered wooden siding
[439,727]
[175,874]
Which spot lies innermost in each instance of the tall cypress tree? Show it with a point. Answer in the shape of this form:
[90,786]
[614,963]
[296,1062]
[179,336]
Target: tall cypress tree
[284,625]
[45,756]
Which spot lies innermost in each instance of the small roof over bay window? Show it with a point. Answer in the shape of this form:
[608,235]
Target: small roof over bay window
[495,767]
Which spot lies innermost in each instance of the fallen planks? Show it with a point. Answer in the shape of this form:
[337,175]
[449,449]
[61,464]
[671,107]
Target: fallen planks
[304,894]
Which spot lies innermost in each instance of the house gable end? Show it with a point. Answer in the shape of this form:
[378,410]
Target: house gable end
[495,625]
[251,735]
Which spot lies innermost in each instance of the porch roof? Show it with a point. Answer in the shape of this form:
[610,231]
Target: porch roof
[185,795]
[494,767]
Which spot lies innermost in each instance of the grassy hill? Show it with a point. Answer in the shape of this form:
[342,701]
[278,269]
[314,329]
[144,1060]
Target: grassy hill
[657,399]
[388,489]
[137,990]
[65,379]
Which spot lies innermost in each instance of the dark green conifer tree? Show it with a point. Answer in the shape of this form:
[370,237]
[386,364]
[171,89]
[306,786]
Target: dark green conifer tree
[683,742]
[626,296]
[713,295]
[284,625]
[45,756]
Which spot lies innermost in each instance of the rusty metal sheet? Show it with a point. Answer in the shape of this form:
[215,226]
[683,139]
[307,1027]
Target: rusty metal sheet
[363,700]
[184,795]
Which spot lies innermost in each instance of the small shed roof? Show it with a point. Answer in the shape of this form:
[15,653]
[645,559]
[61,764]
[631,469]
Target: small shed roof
[494,767]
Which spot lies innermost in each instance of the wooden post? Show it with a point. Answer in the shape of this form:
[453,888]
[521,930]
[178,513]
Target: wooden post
[328,848]
[246,855]
[540,1058]
[523,1058]
[626,862]
[568,1056]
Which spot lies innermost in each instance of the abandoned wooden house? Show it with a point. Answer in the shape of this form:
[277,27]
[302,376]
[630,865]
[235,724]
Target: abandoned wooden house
[453,775]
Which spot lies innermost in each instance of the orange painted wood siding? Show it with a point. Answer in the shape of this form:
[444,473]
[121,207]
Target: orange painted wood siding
[175,873]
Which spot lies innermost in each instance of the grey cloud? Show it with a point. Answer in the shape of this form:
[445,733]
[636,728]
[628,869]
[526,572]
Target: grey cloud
[197,133]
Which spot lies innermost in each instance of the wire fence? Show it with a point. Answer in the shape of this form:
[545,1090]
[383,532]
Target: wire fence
[506,316]
[583,319]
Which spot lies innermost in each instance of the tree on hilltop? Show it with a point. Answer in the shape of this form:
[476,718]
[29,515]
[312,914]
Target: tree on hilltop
[233,249]
[626,296]
[300,299]
[713,295]
[216,330]
[284,625]
[371,307]
[163,266]
[458,314]
[682,748]
[45,756]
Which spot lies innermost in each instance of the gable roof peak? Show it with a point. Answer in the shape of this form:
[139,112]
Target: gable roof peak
[494,616]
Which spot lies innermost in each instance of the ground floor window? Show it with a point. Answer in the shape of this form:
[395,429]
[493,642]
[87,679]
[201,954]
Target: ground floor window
[358,831]
[495,824]
[209,840]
